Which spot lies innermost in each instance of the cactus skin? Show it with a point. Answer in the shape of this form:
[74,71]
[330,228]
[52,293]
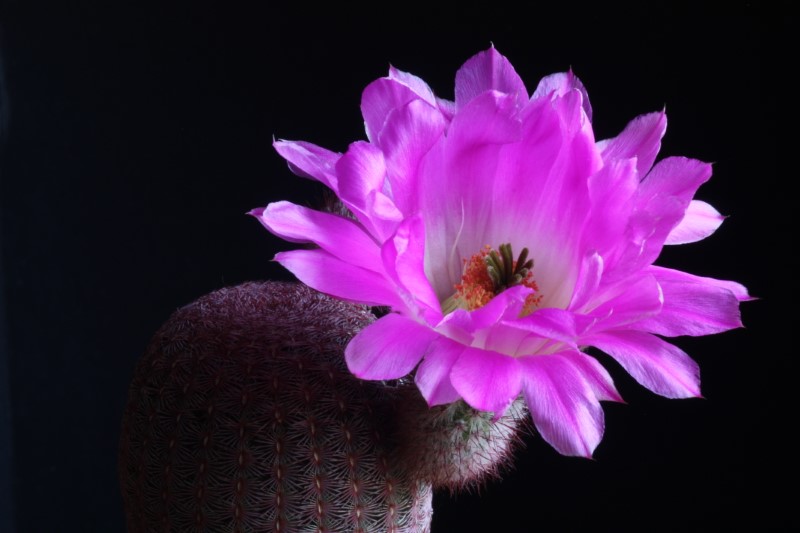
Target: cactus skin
[242,416]
[456,447]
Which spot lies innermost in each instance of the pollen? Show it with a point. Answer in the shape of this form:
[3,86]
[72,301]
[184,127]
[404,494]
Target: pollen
[476,287]
[490,272]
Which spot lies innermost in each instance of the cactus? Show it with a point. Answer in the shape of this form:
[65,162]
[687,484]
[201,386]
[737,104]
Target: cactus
[242,416]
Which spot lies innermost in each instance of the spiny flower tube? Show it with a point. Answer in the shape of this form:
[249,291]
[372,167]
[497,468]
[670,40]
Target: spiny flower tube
[506,240]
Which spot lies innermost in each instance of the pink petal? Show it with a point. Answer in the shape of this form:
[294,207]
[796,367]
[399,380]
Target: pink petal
[362,169]
[544,177]
[667,274]
[641,139]
[541,194]
[630,302]
[438,195]
[693,308]
[389,348]
[404,260]
[560,84]
[458,326]
[433,374]
[409,133]
[383,213]
[486,119]
[563,403]
[611,190]
[362,172]
[648,227]
[458,185]
[337,235]
[488,71]
[505,306]
[322,271]
[487,380]
[495,326]
[659,206]
[415,83]
[385,95]
[488,190]
[677,177]
[588,280]
[553,323]
[596,376]
[504,338]
[310,161]
[447,108]
[458,189]
[661,367]
[700,221]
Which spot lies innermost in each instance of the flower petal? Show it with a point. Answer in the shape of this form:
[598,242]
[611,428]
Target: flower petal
[659,206]
[505,306]
[322,271]
[563,404]
[433,374]
[404,260]
[622,304]
[495,326]
[596,376]
[700,221]
[310,161]
[588,280]
[677,177]
[486,119]
[487,380]
[611,191]
[409,133]
[384,95]
[505,338]
[544,200]
[415,83]
[487,71]
[361,172]
[389,348]
[337,235]
[447,108]
[693,307]
[559,84]
[457,184]
[552,323]
[439,181]
[641,139]
[659,366]
[647,229]
[667,274]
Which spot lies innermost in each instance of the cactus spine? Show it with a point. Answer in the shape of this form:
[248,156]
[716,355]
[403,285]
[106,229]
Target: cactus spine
[242,416]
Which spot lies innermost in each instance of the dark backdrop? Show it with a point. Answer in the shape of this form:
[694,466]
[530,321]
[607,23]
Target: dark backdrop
[136,137]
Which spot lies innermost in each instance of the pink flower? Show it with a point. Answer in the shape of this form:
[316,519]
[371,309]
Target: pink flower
[506,240]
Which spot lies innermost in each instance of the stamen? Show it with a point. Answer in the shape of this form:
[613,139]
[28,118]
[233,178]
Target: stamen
[488,273]
[508,263]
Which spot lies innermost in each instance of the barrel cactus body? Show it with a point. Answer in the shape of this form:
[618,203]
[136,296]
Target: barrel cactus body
[242,416]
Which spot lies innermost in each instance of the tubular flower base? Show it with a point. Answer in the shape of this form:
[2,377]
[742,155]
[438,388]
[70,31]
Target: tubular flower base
[506,240]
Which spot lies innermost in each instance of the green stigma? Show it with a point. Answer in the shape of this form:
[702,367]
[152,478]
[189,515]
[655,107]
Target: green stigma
[504,271]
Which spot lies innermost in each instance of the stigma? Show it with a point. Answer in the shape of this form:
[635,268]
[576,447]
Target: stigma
[490,272]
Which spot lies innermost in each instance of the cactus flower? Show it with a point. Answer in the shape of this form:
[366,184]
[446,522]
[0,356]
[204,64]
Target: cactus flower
[505,241]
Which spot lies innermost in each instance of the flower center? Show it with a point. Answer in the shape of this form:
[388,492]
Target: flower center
[490,272]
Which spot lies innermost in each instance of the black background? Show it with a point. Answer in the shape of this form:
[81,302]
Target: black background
[135,137]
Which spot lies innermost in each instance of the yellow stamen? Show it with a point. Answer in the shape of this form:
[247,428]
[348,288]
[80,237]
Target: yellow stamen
[488,273]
